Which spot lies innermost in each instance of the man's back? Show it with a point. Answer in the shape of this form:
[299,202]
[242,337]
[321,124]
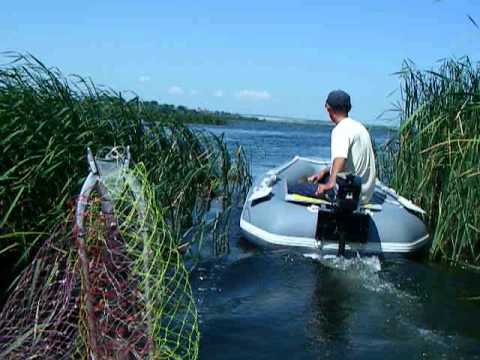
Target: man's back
[351,140]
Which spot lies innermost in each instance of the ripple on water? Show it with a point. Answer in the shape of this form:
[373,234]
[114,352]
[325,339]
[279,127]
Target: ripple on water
[276,305]
[365,270]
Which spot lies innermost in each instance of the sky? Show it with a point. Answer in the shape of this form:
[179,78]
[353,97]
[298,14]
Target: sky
[251,57]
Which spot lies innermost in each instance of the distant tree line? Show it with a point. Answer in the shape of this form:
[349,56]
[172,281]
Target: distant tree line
[182,114]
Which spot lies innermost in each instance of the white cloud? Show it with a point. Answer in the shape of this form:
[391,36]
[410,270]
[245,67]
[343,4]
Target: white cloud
[254,95]
[144,78]
[218,93]
[193,92]
[175,90]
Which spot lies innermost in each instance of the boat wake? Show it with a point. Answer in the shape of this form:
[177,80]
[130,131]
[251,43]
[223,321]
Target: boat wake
[364,271]
[358,264]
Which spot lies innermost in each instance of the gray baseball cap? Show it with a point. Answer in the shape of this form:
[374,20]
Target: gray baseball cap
[339,100]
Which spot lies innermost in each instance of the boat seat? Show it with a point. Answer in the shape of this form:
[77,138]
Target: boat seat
[375,205]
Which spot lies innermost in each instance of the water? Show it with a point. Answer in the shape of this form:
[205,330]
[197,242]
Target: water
[256,304]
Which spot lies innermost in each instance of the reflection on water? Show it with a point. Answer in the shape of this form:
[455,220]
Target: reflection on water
[281,304]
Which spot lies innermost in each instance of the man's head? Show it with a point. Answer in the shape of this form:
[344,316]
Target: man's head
[338,105]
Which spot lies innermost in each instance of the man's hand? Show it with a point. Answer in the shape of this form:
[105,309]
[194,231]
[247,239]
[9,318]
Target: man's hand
[324,187]
[318,177]
[337,166]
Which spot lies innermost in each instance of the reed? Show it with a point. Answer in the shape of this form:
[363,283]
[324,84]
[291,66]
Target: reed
[109,283]
[47,121]
[436,155]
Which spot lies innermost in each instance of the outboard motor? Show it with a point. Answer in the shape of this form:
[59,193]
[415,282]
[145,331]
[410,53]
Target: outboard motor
[343,220]
[348,194]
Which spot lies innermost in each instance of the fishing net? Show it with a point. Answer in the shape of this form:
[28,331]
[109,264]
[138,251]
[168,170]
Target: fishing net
[40,319]
[109,283]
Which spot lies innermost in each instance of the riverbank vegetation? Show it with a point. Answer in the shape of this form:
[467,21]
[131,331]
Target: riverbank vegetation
[184,115]
[436,155]
[139,299]
[122,292]
[47,121]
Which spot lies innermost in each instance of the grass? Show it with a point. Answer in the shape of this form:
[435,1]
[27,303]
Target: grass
[47,121]
[436,155]
[119,290]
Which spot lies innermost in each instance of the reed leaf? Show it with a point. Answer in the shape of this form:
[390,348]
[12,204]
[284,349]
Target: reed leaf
[434,159]
[47,121]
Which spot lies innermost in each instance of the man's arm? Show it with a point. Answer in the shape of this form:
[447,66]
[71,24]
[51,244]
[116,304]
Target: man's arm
[319,176]
[337,166]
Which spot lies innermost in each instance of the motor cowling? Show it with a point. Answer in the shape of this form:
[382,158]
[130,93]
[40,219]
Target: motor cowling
[348,194]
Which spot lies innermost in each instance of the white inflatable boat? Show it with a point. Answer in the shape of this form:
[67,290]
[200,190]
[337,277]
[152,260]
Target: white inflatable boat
[389,224]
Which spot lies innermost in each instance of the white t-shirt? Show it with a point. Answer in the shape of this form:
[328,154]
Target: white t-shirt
[351,140]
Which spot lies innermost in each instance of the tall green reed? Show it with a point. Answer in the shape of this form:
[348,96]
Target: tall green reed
[436,156]
[48,120]
[109,283]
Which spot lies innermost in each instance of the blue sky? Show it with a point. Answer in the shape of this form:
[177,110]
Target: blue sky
[268,57]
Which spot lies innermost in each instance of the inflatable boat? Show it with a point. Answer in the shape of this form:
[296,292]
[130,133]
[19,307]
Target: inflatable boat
[272,217]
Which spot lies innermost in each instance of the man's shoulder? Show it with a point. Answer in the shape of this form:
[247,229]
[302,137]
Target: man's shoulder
[353,121]
[353,125]
[346,124]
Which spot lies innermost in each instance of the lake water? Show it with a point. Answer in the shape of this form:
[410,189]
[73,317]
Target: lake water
[256,304]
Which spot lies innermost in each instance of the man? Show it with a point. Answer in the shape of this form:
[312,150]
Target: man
[351,148]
